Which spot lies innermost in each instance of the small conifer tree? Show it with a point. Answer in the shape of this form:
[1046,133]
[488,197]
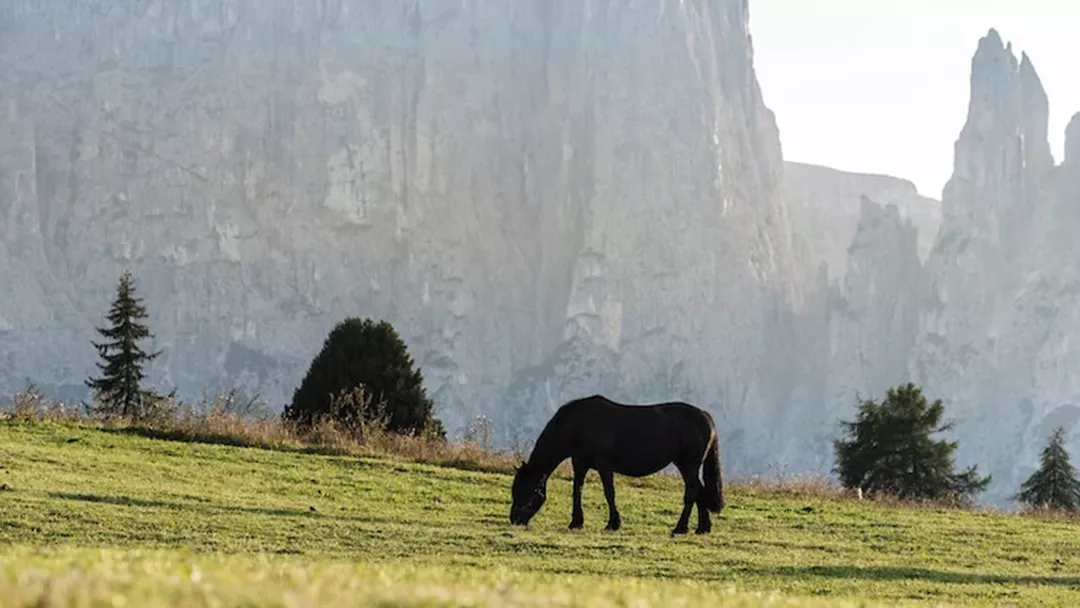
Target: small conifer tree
[1054,485]
[118,391]
[891,451]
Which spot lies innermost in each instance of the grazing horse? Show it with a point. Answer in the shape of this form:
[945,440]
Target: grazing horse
[634,440]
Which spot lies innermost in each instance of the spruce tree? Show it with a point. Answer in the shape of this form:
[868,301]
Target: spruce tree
[1054,485]
[119,390]
[891,451]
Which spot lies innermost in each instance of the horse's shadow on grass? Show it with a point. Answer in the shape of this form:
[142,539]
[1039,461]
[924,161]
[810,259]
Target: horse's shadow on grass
[896,573]
[211,508]
[222,439]
[128,501]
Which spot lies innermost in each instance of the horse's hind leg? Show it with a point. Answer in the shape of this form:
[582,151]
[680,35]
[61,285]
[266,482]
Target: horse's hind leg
[704,522]
[690,497]
[577,516]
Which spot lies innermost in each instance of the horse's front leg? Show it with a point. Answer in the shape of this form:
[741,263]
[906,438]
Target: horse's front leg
[606,476]
[577,516]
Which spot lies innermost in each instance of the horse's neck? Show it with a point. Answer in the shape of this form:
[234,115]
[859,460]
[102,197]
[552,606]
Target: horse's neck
[547,453]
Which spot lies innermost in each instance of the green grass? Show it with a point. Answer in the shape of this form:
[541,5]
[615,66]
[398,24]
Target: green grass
[89,515]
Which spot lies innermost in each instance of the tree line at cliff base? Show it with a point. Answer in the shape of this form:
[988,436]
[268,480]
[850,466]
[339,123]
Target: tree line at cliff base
[364,380]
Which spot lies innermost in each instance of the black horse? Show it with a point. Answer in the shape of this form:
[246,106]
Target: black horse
[597,433]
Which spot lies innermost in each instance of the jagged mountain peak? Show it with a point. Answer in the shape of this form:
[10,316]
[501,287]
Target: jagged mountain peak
[1003,150]
[1072,141]
[871,211]
[993,49]
[993,68]
[992,38]
[884,222]
[994,331]
[825,206]
[1029,77]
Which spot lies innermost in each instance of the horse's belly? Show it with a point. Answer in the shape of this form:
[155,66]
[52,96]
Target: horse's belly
[642,466]
[644,450]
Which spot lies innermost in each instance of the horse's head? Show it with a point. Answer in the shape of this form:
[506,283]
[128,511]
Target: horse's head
[528,494]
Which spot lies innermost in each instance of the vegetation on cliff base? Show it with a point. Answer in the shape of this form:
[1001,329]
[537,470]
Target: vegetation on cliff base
[1054,484]
[364,375]
[890,450]
[118,391]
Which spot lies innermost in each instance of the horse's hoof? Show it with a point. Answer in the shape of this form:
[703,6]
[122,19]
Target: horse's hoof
[613,526]
[577,525]
[677,531]
[703,531]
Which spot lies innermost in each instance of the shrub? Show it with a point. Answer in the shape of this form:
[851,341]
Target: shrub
[31,404]
[369,356]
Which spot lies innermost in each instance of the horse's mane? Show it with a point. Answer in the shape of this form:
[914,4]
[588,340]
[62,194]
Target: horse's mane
[548,434]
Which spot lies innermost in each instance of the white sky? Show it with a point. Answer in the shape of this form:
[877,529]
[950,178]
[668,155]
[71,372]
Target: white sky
[882,86]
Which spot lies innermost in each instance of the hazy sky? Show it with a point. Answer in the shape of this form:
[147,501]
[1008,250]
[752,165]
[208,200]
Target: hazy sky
[882,86]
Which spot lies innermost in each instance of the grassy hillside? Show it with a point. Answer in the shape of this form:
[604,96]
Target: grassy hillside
[90,513]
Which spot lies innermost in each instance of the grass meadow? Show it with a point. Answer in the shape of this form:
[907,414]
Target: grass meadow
[110,516]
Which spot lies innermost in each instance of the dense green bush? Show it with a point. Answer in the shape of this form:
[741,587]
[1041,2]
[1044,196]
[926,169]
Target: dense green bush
[364,375]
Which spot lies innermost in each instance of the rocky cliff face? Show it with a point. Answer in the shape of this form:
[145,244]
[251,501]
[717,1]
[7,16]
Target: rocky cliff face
[1072,142]
[874,313]
[979,339]
[995,305]
[546,198]
[825,206]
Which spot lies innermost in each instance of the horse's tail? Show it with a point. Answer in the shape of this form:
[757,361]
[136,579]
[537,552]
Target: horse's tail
[713,477]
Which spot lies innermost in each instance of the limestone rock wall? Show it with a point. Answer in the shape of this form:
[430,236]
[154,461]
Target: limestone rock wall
[825,207]
[1072,142]
[997,302]
[874,314]
[973,348]
[547,198]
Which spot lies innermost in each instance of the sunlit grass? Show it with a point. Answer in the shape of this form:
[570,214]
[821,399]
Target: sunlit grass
[89,513]
[168,578]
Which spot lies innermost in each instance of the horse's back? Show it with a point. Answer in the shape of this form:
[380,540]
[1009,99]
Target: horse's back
[692,420]
[600,406]
[667,427]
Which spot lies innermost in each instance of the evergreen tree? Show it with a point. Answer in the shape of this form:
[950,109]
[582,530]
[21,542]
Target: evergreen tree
[891,450]
[118,390]
[363,354]
[1054,485]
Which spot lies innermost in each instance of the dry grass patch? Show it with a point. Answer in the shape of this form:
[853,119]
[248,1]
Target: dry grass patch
[230,420]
